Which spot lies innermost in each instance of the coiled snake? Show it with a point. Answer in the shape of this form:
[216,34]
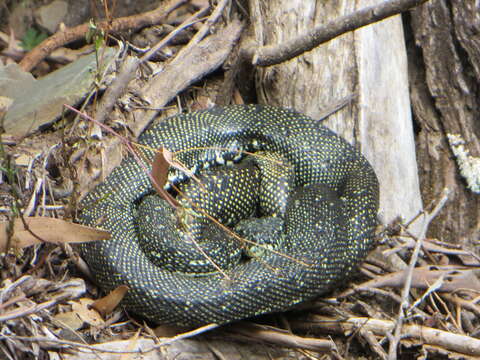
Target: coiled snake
[326,229]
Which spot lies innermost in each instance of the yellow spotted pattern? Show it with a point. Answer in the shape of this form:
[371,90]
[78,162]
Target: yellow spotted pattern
[328,209]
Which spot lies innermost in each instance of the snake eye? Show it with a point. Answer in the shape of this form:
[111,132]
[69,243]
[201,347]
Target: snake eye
[219,159]
[255,144]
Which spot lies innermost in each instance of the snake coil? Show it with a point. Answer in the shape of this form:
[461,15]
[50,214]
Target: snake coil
[328,227]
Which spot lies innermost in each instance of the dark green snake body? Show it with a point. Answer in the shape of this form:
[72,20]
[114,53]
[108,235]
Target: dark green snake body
[327,230]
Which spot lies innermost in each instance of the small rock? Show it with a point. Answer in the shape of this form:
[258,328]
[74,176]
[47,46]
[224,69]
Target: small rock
[50,16]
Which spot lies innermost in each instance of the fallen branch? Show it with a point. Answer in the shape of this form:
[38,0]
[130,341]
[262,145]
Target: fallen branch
[60,38]
[424,335]
[407,242]
[457,277]
[262,333]
[276,54]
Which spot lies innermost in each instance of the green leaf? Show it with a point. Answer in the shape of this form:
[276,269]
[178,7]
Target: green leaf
[32,38]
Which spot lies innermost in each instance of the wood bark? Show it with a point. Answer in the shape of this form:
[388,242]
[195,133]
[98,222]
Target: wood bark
[445,77]
[370,62]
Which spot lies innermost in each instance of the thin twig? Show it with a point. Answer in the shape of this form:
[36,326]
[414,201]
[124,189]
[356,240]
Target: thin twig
[184,25]
[21,312]
[428,217]
[212,19]
[209,259]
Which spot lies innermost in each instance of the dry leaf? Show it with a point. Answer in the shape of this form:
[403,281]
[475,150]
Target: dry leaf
[23,159]
[162,161]
[69,320]
[168,156]
[84,311]
[160,168]
[108,303]
[48,230]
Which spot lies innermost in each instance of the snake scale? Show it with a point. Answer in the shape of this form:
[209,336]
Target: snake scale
[326,230]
